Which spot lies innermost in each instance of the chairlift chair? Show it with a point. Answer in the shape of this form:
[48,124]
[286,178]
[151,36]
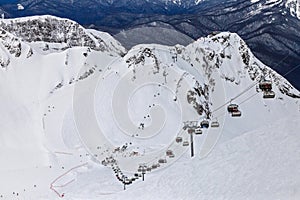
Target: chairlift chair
[154,166]
[215,124]
[269,95]
[179,139]
[162,160]
[198,131]
[265,85]
[236,114]
[185,143]
[169,152]
[172,156]
[232,108]
[204,124]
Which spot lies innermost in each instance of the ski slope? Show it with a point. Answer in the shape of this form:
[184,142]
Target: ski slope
[70,117]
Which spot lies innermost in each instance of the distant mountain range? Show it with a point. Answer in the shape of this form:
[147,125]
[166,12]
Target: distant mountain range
[270,27]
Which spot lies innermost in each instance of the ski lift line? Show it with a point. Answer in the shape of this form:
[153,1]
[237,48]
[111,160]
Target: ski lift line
[163,155]
[220,115]
[256,83]
[223,113]
[154,160]
[248,98]
[294,68]
[243,92]
[240,94]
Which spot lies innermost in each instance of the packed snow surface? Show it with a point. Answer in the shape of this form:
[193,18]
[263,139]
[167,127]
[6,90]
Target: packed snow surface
[81,116]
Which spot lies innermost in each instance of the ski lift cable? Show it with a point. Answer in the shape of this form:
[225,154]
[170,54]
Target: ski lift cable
[294,68]
[247,89]
[249,98]
[154,160]
[244,101]
[240,94]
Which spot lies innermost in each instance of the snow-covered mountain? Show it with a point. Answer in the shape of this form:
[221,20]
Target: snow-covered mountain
[79,112]
[267,27]
[270,27]
[51,33]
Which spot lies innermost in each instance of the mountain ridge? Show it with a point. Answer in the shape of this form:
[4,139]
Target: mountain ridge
[67,33]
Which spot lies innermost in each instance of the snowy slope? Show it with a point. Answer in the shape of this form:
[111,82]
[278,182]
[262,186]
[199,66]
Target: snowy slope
[66,110]
[261,164]
[227,52]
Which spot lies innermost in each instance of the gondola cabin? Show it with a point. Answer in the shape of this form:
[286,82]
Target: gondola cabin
[269,95]
[233,108]
[204,124]
[236,114]
[265,85]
